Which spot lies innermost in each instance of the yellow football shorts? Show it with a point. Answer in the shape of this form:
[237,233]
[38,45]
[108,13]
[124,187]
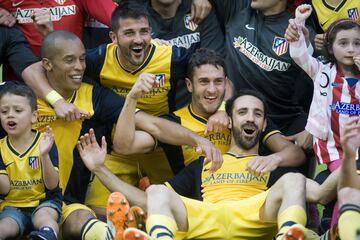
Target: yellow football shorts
[229,220]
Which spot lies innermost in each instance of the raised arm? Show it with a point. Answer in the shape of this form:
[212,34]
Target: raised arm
[127,140]
[93,157]
[298,47]
[175,134]
[49,171]
[350,142]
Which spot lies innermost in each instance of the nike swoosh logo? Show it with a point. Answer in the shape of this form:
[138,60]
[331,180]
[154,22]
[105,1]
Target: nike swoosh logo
[248,27]
[17,4]
[322,24]
[8,164]
[206,169]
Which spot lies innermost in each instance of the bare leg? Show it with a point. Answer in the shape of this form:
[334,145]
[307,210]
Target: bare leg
[324,193]
[74,223]
[46,216]
[288,191]
[8,228]
[100,212]
[163,201]
[349,196]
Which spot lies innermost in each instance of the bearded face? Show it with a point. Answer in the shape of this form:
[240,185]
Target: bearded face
[246,136]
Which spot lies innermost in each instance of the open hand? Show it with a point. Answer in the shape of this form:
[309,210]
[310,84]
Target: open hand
[46,141]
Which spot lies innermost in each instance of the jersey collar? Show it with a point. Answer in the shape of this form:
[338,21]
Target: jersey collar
[35,140]
[143,65]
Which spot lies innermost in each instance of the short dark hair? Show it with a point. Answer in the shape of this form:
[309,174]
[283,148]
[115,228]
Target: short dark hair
[230,102]
[128,9]
[48,46]
[20,90]
[332,31]
[203,56]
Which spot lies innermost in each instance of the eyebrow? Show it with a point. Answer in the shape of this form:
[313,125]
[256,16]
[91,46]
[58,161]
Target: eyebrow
[247,108]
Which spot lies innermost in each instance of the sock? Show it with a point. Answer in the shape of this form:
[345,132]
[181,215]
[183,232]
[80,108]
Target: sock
[93,229]
[349,221]
[331,234]
[46,228]
[292,215]
[161,227]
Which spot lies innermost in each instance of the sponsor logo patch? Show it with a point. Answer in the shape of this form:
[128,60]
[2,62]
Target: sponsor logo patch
[264,61]
[24,15]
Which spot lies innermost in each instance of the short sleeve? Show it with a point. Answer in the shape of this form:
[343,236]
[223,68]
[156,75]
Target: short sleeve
[54,156]
[2,166]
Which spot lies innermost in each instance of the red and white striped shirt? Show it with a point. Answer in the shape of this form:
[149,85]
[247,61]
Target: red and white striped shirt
[335,99]
[344,102]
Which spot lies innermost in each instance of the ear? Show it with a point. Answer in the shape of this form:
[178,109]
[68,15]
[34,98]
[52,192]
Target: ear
[230,123]
[112,36]
[34,116]
[46,63]
[265,124]
[189,85]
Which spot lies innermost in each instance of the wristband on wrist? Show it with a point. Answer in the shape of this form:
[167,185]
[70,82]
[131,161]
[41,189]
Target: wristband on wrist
[53,97]
[222,106]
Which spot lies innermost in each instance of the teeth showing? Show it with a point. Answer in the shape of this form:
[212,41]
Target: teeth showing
[137,49]
[77,77]
[211,98]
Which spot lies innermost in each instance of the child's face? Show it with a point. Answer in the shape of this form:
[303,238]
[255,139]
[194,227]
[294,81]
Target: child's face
[346,46]
[15,114]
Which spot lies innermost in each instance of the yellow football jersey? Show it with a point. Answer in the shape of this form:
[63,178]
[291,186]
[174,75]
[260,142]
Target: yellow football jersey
[158,62]
[24,170]
[327,14]
[66,133]
[232,182]
[181,156]
[103,106]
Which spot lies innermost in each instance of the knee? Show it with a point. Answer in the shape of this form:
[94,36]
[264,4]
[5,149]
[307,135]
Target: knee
[8,228]
[74,223]
[293,181]
[349,195]
[45,216]
[159,193]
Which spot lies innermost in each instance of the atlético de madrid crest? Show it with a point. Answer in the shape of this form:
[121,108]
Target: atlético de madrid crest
[280,46]
[34,162]
[189,24]
[353,13]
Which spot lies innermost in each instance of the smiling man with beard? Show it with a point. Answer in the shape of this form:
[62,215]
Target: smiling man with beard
[235,204]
